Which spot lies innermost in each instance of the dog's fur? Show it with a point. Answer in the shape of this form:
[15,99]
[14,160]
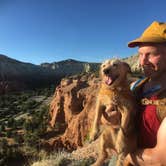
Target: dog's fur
[114,95]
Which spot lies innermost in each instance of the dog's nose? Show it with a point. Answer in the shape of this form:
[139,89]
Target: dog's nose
[106,71]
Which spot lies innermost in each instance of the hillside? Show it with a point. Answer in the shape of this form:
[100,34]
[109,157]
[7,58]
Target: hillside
[133,61]
[10,68]
[71,67]
[16,75]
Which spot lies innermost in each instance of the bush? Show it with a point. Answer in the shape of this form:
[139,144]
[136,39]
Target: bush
[28,126]
[10,122]
[31,139]
[18,138]
[3,145]
[2,128]
[9,133]
[9,153]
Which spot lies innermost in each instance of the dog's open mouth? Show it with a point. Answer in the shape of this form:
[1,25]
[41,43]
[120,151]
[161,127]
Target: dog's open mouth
[110,79]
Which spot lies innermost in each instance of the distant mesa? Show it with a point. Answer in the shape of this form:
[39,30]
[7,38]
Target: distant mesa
[71,67]
[17,75]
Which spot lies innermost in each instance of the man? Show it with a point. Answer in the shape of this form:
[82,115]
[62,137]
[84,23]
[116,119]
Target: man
[151,124]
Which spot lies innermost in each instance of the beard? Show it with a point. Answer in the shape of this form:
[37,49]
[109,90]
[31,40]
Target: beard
[149,70]
[152,71]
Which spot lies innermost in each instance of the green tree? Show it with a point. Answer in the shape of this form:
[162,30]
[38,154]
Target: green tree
[31,139]
[8,133]
[3,146]
[2,127]
[28,126]
[10,122]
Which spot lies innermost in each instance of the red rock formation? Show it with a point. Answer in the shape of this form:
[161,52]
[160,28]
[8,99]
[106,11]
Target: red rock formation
[73,105]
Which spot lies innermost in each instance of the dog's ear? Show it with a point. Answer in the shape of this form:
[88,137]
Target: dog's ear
[127,66]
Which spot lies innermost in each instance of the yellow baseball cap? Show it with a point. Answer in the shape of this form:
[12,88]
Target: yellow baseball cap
[155,33]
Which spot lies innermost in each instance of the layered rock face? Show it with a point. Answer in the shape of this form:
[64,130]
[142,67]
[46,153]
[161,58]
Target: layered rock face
[71,67]
[73,106]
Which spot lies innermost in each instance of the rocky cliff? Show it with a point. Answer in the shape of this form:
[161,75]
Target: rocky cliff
[71,67]
[72,109]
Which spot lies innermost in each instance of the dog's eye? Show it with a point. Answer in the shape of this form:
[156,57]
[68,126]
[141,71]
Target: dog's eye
[115,65]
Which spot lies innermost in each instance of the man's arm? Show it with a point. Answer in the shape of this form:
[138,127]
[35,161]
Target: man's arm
[153,156]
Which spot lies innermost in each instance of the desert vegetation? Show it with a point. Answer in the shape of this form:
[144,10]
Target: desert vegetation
[23,122]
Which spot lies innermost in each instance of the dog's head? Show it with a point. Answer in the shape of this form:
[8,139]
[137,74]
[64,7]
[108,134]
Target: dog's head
[114,72]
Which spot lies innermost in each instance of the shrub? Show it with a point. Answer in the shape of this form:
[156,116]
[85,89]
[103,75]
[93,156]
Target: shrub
[31,139]
[9,133]
[11,122]
[2,128]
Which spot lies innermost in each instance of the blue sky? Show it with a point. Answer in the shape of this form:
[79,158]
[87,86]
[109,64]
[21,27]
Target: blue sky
[38,31]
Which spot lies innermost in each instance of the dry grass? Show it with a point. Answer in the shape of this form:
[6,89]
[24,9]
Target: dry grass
[84,156]
[54,159]
[60,159]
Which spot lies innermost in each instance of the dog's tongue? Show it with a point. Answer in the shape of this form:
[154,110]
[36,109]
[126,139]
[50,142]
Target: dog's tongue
[108,81]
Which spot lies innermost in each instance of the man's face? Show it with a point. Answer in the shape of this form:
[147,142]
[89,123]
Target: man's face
[152,57]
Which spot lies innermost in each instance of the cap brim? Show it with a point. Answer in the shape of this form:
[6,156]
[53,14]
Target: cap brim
[138,41]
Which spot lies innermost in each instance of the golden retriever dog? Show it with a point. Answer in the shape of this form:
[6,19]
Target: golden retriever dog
[114,95]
